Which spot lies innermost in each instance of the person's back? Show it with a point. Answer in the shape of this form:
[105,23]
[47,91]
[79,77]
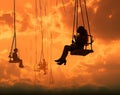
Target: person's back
[15,57]
[82,38]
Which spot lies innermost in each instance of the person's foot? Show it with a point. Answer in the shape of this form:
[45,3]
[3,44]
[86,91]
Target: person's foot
[58,60]
[61,62]
[21,66]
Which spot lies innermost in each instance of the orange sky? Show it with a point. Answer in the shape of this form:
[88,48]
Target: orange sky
[102,68]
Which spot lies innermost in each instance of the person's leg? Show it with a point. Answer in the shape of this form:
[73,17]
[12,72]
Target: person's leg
[45,71]
[67,48]
[20,64]
[62,59]
[65,53]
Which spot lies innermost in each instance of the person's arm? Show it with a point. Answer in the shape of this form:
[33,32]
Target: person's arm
[74,40]
[15,56]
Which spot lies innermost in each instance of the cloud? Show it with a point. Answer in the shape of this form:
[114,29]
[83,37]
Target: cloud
[103,16]
[25,23]
[67,15]
[8,73]
[6,18]
[106,20]
[105,70]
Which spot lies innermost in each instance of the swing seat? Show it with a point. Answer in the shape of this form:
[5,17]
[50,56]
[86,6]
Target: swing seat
[82,52]
[13,61]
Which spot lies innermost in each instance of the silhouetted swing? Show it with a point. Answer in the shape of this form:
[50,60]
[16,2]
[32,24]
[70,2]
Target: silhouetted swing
[42,65]
[13,52]
[86,50]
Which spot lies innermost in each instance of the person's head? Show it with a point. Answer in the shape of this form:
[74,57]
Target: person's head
[81,30]
[15,50]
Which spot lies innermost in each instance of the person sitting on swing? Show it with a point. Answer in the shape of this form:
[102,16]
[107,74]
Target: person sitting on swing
[16,58]
[81,39]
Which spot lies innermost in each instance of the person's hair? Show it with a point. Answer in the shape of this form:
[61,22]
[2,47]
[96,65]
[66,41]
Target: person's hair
[80,29]
[83,32]
[15,49]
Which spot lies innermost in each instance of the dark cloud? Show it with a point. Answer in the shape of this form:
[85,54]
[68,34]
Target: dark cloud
[102,26]
[106,73]
[67,16]
[105,27]
[25,23]
[6,18]
[7,70]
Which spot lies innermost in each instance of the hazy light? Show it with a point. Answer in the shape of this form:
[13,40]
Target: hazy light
[110,16]
[28,5]
[95,9]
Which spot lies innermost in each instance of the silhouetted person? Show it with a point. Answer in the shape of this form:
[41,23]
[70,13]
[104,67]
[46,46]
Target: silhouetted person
[16,58]
[80,40]
[43,66]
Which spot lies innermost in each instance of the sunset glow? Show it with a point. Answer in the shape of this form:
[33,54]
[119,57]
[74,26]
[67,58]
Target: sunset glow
[101,68]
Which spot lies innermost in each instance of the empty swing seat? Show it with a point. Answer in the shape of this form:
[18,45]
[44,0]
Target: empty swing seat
[82,52]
